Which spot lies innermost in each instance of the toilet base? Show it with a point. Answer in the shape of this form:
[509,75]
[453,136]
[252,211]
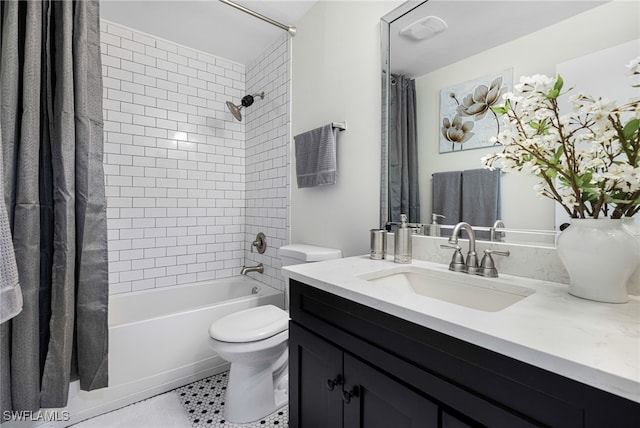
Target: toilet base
[256,391]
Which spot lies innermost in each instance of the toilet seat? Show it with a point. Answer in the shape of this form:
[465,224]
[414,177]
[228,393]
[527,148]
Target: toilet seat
[250,325]
[228,349]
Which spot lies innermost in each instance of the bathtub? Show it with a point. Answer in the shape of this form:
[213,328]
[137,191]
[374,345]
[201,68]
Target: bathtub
[158,340]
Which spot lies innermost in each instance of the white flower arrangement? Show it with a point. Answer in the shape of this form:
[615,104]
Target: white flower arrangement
[588,160]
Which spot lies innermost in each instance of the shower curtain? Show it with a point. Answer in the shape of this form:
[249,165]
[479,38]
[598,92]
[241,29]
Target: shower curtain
[404,197]
[52,146]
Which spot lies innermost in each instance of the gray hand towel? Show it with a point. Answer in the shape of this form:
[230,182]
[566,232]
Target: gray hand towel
[481,198]
[445,196]
[10,293]
[316,157]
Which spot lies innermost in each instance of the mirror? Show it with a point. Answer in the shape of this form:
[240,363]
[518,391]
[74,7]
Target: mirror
[485,38]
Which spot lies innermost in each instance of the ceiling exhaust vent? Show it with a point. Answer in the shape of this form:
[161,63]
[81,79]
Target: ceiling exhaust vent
[424,28]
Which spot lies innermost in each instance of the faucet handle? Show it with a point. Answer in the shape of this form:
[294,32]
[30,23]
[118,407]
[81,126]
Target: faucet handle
[260,243]
[487,265]
[489,251]
[457,261]
[452,246]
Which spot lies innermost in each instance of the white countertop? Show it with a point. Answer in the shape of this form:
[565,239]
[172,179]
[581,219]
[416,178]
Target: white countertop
[594,343]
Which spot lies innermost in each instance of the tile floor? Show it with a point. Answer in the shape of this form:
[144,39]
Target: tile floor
[204,402]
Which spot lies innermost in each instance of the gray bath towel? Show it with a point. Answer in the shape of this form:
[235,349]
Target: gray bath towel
[481,198]
[445,197]
[10,293]
[316,157]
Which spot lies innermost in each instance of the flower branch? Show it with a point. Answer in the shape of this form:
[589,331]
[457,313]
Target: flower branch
[588,161]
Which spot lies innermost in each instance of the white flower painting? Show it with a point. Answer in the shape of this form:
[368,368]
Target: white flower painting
[466,119]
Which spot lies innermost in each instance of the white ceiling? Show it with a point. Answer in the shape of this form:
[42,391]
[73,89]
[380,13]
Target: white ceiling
[217,28]
[208,25]
[473,26]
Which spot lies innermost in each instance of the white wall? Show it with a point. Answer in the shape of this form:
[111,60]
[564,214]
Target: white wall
[337,77]
[597,74]
[599,28]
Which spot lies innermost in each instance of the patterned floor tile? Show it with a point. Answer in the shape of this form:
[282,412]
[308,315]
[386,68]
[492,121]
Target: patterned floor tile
[204,402]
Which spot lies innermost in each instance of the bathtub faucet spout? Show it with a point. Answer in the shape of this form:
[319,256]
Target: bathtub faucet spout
[246,269]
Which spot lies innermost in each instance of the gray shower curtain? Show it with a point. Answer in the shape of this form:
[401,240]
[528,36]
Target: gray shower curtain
[404,196]
[52,146]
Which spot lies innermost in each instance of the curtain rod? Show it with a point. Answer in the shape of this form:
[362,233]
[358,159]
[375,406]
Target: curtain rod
[289,29]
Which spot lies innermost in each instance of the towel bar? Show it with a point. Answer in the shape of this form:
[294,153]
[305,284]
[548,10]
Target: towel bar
[341,126]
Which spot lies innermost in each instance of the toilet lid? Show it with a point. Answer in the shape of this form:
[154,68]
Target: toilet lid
[250,325]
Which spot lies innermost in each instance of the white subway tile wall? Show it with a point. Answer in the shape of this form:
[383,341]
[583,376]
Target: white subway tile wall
[175,161]
[267,162]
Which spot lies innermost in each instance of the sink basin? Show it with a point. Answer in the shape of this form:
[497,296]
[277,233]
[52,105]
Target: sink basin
[472,291]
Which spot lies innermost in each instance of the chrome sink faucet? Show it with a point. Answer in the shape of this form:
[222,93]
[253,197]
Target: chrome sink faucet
[457,263]
[493,233]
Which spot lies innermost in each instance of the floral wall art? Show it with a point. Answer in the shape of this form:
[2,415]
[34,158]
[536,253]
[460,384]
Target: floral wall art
[466,119]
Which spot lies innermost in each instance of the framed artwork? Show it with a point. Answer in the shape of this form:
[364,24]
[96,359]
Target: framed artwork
[466,119]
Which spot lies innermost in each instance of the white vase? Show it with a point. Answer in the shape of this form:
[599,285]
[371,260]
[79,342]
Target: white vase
[599,256]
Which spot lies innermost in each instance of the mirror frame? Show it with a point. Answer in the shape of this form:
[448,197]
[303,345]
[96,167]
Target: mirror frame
[385,55]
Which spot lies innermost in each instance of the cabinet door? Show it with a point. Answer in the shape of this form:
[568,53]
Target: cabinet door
[375,400]
[315,373]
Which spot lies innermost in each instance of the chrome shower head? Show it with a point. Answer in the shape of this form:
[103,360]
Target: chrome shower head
[235,110]
[247,100]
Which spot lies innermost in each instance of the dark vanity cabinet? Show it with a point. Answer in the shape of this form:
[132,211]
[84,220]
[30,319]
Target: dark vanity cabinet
[354,366]
[335,389]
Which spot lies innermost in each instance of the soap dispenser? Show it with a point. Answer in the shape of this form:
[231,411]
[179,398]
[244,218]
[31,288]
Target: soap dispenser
[434,227]
[402,242]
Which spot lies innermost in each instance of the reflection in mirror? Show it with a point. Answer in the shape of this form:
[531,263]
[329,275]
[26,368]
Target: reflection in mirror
[484,38]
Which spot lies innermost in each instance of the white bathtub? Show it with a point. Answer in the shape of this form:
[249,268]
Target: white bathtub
[158,340]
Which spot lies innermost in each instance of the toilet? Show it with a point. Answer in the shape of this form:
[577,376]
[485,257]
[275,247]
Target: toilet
[255,342]
[295,254]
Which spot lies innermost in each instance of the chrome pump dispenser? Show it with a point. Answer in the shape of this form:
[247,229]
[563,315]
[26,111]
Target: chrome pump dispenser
[434,227]
[402,242]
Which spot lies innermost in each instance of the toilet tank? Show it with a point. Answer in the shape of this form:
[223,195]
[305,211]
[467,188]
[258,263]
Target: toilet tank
[302,253]
[295,254]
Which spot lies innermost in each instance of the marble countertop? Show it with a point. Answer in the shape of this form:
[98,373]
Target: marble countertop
[594,343]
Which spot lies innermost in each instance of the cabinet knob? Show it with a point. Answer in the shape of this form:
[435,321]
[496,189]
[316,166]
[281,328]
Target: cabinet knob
[346,395]
[332,383]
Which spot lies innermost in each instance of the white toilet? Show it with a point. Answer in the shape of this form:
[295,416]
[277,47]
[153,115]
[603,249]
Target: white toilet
[254,341]
[295,254]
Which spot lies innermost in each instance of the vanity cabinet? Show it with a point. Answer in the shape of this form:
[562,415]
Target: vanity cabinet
[354,366]
[335,389]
